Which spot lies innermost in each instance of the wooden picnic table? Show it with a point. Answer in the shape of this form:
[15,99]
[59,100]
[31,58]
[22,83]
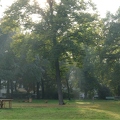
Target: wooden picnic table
[3,101]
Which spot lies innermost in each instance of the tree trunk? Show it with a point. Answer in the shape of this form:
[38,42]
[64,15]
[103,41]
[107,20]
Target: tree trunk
[0,89]
[8,88]
[38,91]
[15,86]
[57,69]
[59,85]
[0,85]
[86,94]
[11,82]
[68,89]
[42,86]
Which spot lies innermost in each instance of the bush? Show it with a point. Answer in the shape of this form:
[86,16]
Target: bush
[103,92]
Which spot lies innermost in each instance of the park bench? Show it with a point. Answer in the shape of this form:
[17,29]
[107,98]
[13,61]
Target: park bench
[117,98]
[110,98]
[3,101]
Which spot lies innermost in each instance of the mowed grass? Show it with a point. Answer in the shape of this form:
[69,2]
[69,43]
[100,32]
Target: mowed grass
[73,110]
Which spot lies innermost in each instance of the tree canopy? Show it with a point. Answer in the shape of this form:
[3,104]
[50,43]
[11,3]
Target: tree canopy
[48,42]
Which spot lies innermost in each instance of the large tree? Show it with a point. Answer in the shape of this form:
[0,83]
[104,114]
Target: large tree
[60,32]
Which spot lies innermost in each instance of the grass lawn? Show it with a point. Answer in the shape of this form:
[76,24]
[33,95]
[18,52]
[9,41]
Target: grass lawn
[73,110]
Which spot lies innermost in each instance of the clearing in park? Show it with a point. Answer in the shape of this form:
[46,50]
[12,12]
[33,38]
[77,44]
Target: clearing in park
[72,110]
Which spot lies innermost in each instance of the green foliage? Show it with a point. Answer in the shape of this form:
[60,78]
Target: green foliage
[64,38]
[60,25]
[60,35]
[103,92]
[6,57]
[111,51]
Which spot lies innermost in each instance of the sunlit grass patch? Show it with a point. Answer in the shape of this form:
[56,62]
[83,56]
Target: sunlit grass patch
[83,103]
[105,109]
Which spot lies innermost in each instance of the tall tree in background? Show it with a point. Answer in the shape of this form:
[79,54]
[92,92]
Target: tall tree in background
[111,51]
[7,61]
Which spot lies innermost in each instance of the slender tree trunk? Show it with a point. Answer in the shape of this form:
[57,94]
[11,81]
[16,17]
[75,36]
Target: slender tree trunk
[15,86]
[68,89]
[38,91]
[11,84]
[0,89]
[86,94]
[59,85]
[0,85]
[8,88]
[42,85]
